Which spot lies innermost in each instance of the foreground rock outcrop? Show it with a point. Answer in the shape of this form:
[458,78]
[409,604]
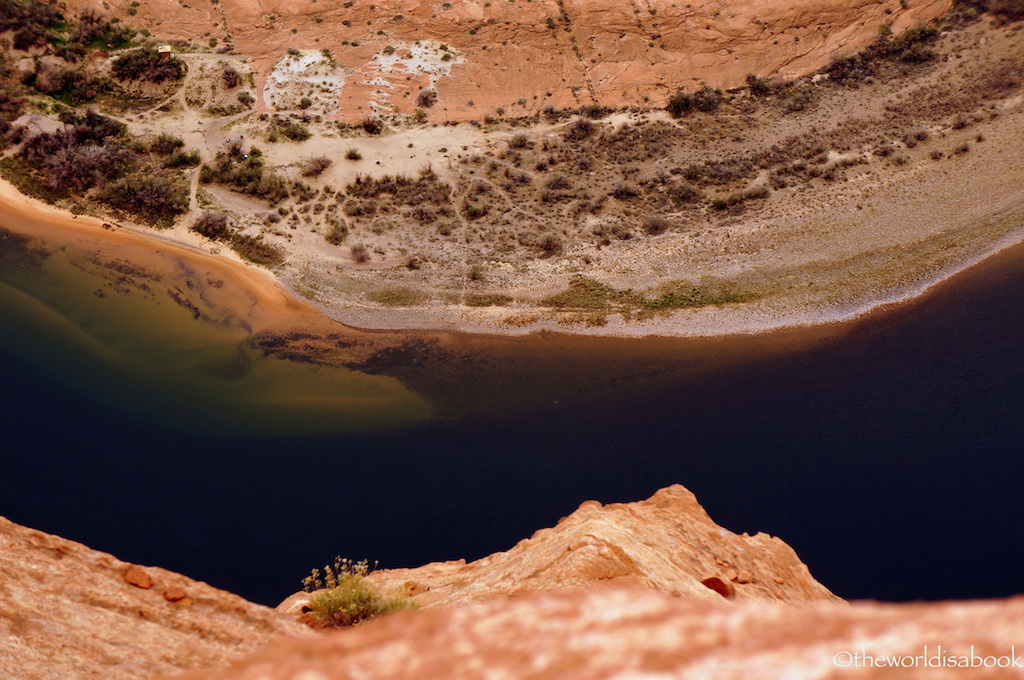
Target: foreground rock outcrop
[67,611]
[666,543]
[603,634]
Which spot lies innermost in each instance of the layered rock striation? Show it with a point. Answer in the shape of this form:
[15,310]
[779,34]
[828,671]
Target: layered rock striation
[521,57]
[603,634]
[67,611]
[666,543]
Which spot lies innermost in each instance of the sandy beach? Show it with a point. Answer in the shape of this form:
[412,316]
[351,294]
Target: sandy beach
[251,292]
[881,195]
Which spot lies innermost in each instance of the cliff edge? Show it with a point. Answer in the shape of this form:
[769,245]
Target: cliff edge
[67,611]
[666,543]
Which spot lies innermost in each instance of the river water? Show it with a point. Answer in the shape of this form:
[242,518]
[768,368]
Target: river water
[886,451]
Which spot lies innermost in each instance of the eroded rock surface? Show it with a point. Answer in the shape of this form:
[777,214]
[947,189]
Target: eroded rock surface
[68,612]
[524,56]
[604,634]
[666,543]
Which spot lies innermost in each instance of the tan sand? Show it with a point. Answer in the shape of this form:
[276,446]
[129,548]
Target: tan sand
[254,292]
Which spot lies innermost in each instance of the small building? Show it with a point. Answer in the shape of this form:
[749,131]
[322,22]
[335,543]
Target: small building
[165,51]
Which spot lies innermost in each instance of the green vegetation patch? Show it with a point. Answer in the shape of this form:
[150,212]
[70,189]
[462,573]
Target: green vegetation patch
[147,64]
[246,173]
[586,294]
[493,300]
[398,297]
[92,159]
[583,293]
[682,294]
[427,188]
[217,227]
[341,596]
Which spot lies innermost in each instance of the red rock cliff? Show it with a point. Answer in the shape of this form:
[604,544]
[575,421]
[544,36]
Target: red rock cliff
[666,543]
[523,55]
[67,611]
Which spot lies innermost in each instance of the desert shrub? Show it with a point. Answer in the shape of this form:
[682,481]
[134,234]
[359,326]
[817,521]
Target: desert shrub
[474,211]
[625,191]
[315,166]
[93,30]
[305,103]
[245,98]
[360,208]
[594,111]
[579,129]
[494,300]
[69,85]
[550,245]
[80,156]
[256,250]
[656,224]
[182,159]
[911,46]
[212,225]
[290,129]
[849,69]
[15,14]
[231,78]
[423,214]
[336,236]
[739,197]
[360,253]
[582,293]
[1008,10]
[557,182]
[684,192]
[246,175]
[372,125]
[707,99]
[425,189]
[679,103]
[353,155]
[520,140]
[426,98]
[155,197]
[12,103]
[33,22]
[166,144]
[146,64]
[758,86]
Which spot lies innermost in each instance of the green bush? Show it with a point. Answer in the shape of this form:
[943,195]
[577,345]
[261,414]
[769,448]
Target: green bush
[758,86]
[213,226]
[155,197]
[147,64]
[166,144]
[1008,10]
[707,99]
[341,597]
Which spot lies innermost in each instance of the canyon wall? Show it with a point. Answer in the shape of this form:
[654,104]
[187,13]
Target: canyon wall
[516,57]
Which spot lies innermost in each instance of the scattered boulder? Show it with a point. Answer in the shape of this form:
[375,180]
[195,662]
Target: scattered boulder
[138,577]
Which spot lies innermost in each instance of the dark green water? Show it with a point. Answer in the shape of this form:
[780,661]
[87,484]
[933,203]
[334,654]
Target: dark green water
[888,456]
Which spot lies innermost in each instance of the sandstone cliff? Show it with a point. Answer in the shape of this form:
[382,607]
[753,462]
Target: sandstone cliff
[524,56]
[67,611]
[603,634]
[666,543]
